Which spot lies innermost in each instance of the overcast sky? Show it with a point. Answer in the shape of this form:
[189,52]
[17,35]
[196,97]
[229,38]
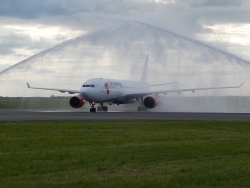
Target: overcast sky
[28,27]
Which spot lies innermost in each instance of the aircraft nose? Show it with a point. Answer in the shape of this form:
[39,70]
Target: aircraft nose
[86,93]
[85,90]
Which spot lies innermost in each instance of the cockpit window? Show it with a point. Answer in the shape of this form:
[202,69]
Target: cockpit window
[92,85]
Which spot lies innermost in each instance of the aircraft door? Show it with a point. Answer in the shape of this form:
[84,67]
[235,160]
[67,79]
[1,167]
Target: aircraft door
[101,85]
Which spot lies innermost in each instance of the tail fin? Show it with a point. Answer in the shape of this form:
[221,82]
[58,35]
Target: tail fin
[145,71]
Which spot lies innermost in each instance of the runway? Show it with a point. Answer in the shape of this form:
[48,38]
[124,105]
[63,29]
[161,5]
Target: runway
[21,115]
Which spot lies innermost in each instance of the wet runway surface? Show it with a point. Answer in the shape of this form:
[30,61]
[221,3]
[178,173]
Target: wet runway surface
[18,115]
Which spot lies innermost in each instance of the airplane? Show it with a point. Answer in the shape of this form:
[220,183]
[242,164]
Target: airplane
[114,91]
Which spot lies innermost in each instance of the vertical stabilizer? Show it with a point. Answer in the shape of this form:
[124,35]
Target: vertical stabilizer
[145,71]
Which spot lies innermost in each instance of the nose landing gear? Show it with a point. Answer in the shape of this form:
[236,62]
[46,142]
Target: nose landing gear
[92,109]
[99,108]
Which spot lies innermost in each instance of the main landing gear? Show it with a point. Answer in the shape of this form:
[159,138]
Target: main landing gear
[142,107]
[99,108]
[102,108]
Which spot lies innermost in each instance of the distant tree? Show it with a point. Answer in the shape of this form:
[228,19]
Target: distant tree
[52,96]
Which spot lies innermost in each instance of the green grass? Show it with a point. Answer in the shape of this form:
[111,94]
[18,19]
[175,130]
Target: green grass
[124,154]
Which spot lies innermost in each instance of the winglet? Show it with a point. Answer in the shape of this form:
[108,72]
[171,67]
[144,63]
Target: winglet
[28,86]
[242,84]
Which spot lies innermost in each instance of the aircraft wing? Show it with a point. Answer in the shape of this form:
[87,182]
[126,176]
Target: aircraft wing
[163,84]
[60,90]
[179,91]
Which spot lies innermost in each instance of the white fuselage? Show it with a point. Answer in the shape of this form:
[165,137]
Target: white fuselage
[100,90]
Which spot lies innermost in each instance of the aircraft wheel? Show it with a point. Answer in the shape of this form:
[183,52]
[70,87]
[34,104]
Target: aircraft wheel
[92,110]
[142,108]
[99,108]
[105,108]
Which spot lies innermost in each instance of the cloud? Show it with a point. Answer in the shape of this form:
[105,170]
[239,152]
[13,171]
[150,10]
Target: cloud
[13,40]
[36,8]
[216,3]
[20,39]
[31,9]
[3,66]
[75,13]
[214,12]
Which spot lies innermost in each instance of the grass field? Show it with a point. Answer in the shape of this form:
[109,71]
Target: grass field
[124,154]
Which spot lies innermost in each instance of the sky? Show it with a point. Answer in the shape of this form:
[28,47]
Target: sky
[29,27]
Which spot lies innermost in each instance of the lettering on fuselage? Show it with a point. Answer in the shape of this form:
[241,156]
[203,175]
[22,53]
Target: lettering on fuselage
[109,85]
[115,84]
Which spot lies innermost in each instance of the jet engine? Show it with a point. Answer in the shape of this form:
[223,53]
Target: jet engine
[77,101]
[150,101]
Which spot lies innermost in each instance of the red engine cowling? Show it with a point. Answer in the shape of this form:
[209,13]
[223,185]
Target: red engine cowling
[77,101]
[150,101]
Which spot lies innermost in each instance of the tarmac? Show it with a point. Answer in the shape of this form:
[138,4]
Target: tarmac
[21,115]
